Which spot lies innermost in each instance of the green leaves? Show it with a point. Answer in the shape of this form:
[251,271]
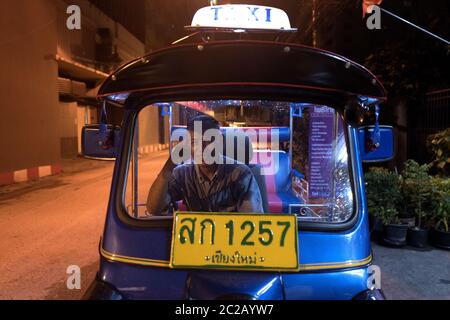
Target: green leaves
[439,146]
[440,198]
[416,190]
[383,194]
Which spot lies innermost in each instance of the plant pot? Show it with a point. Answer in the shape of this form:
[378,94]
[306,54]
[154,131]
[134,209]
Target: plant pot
[417,238]
[440,239]
[409,221]
[394,235]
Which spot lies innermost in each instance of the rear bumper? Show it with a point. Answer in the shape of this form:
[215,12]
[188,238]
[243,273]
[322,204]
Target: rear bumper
[375,294]
[100,290]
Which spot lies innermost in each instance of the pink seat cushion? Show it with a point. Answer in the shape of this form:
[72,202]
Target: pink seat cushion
[275,203]
[181,206]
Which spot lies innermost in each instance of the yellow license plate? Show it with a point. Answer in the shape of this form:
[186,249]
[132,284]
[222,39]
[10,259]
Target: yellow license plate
[235,241]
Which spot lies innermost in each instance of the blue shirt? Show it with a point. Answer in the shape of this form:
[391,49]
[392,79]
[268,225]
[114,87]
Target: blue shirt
[233,188]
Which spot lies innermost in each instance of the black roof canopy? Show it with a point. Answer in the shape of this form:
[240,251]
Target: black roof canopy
[241,68]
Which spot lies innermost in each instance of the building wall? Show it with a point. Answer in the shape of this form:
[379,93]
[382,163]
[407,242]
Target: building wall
[29,133]
[151,125]
[80,45]
[36,128]
[128,13]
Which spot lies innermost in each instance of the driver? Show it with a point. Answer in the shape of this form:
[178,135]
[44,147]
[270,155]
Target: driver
[205,187]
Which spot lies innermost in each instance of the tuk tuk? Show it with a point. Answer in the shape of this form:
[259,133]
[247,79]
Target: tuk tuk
[297,112]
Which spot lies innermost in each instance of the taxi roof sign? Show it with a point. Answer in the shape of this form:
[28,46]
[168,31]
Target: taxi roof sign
[239,17]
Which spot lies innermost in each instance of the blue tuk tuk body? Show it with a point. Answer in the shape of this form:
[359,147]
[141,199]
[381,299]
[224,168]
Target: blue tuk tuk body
[335,260]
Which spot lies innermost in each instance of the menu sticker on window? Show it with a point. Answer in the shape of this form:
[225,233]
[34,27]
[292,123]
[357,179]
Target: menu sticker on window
[321,133]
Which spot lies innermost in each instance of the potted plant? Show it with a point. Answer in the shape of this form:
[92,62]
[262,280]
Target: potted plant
[383,197]
[416,191]
[374,187]
[394,232]
[439,146]
[440,235]
[373,183]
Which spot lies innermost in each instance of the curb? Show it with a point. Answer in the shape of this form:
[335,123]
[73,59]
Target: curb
[144,150]
[30,174]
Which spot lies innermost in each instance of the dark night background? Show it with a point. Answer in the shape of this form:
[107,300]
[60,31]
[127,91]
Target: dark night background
[409,62]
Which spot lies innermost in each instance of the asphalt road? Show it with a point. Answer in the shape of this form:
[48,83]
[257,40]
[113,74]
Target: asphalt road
[49,225]
[412,274]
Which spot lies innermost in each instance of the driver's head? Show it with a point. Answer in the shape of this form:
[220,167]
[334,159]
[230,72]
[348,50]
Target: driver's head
[197,126]
[206,122]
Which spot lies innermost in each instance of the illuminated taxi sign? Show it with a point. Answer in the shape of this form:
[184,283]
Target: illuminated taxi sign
[242,17]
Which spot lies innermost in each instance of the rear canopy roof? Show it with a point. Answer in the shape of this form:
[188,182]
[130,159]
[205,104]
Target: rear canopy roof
[301,70]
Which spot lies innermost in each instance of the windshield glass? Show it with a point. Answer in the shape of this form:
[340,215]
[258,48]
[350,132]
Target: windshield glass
[240,156]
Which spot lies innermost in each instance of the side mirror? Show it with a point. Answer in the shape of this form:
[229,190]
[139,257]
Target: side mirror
[99,145]
[369,152]
[353,113]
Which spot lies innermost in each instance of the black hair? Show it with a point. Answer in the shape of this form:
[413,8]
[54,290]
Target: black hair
[206,121]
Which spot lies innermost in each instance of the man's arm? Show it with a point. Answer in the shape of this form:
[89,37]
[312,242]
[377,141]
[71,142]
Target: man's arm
[251,201]
[159,197]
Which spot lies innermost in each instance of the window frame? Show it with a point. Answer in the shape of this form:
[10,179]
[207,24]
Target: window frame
[123,167]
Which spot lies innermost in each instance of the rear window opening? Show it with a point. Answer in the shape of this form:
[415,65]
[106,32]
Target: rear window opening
[297,155]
